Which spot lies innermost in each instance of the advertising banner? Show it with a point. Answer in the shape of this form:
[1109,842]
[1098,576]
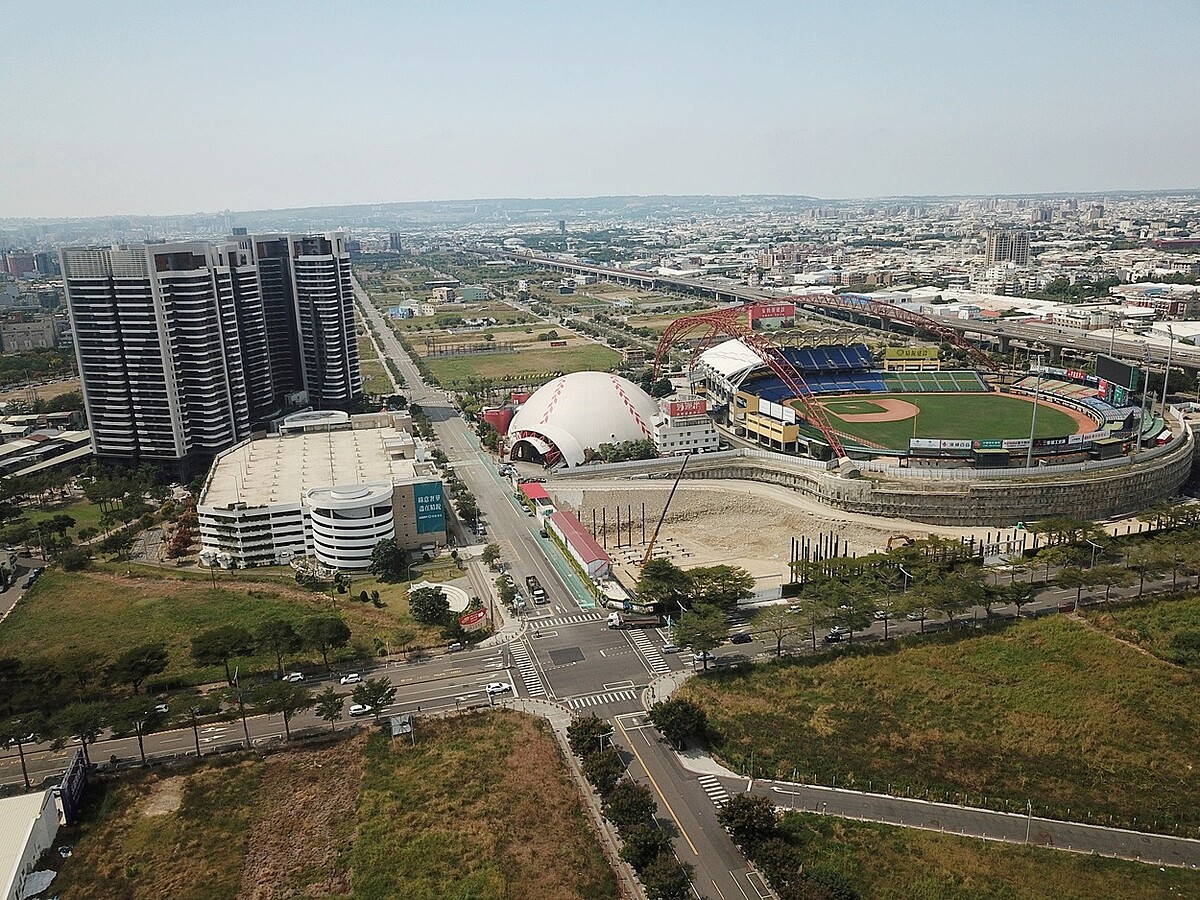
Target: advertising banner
[1016,444]
[431,512]
[474,618]
[919,353]
[988,445]
[772,311]
[678,408]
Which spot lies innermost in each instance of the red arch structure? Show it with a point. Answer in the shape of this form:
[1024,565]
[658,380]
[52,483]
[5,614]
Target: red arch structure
[863,306]
[726,322]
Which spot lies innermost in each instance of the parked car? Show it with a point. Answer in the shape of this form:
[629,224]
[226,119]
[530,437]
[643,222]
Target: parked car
[669,648]
[742,637]
[702,656]
[358,710]
[498,687]
[840,629]
[834,638]
[293,677]
[455,647]
[881,615]
[914,616]
[162,709]
[352,678]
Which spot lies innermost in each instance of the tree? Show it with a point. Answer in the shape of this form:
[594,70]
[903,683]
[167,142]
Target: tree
[219,645]
[586,735]
[1144,560]
[139,715]
[642,844]
[628,804]
[329,707]
[854,607]
[604,769]
[1072,577]
[19,731]
[1018,593]
[678,720]
[279,637]
[813,611]
[82,668]
[780,623]
[490,554]
[721,586]
[663,584]
[377,693]
[183,539]
[666,878]
[429,605]
[285,698]
[1111,575]
[324,633]
[80,720]
[137,664]
[701,629]
[750,819]
[387,560]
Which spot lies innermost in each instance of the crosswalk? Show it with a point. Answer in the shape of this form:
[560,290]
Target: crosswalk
[715,790]
[529,673]
[649,651]
[583,619]
[597,699]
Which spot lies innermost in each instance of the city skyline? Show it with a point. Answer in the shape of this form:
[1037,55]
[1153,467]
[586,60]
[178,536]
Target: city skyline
[518,100]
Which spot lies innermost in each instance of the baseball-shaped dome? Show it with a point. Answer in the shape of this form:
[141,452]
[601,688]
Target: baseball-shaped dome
[579,411]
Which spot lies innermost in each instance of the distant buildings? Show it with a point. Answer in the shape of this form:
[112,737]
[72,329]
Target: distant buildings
[1007,247]
[22,331]
[184,347]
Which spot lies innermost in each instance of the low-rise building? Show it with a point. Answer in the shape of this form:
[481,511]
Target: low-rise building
[328,486]
[684,427]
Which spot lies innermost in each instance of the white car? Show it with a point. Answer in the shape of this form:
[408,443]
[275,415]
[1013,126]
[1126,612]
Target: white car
[162,709]
[358,710]
[702,656]
[498,687]
[293,677]
[669,648]
[352,678]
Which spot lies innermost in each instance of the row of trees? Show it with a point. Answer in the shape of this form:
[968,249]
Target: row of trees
[631,808]
[222,645]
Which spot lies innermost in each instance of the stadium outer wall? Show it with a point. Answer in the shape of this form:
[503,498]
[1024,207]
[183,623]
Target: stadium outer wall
[962,497]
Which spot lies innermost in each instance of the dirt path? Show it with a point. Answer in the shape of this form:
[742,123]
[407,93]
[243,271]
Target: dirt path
[893,411]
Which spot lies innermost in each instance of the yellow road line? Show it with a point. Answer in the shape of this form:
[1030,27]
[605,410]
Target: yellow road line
[658,790]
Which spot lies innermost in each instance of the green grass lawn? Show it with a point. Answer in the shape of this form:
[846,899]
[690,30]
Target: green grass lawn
[1151,624]
[1048,710]
[375,379]
[961,416]
[536,361]
[884,862]
[108,613]
[85,513]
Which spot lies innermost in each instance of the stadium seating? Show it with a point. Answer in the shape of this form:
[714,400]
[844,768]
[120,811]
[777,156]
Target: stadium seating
[933,382]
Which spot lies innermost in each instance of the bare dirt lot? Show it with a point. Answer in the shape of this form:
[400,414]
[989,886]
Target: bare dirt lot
[741,523]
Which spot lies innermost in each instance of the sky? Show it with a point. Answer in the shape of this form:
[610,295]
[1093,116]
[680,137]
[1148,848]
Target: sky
[171,107]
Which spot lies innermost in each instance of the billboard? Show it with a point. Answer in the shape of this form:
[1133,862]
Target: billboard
[678,408]
[1119,373]
[429,503]
[771,311]
[473,619]
[918,353]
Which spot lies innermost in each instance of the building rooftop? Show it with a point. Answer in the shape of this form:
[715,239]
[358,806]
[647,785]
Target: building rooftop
[276,470]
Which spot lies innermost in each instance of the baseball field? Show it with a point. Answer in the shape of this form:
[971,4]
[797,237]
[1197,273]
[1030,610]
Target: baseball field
[891,419]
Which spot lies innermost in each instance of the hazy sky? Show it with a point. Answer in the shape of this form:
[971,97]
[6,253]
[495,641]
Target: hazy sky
[174,107]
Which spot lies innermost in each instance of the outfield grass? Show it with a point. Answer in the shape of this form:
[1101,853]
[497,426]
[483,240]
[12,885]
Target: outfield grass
[532,362]
[1048,710]
[108,613]
[956,416]
[481,807]
[1151,624]
[889,863]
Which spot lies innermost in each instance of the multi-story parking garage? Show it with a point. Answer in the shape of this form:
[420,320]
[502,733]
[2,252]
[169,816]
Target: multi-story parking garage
[330,487]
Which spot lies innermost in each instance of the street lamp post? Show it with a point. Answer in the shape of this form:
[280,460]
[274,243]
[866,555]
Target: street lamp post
[195,711]
[1167,372]
[1037,389]
[1145,387]
[1029,820]
[1095,547]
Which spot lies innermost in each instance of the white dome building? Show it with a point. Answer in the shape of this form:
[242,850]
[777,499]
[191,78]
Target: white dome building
[580,411]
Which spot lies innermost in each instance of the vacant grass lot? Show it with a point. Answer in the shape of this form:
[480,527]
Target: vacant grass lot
[1048,710]
[85,513]
[531,362]
[375,379]
[108,613]
[1152,624]
[481,808]
[979,416]
[889,863]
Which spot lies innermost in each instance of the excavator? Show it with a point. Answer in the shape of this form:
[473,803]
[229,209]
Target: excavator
[666,506]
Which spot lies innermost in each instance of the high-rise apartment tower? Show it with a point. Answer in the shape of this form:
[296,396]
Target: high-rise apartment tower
[1007,246]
